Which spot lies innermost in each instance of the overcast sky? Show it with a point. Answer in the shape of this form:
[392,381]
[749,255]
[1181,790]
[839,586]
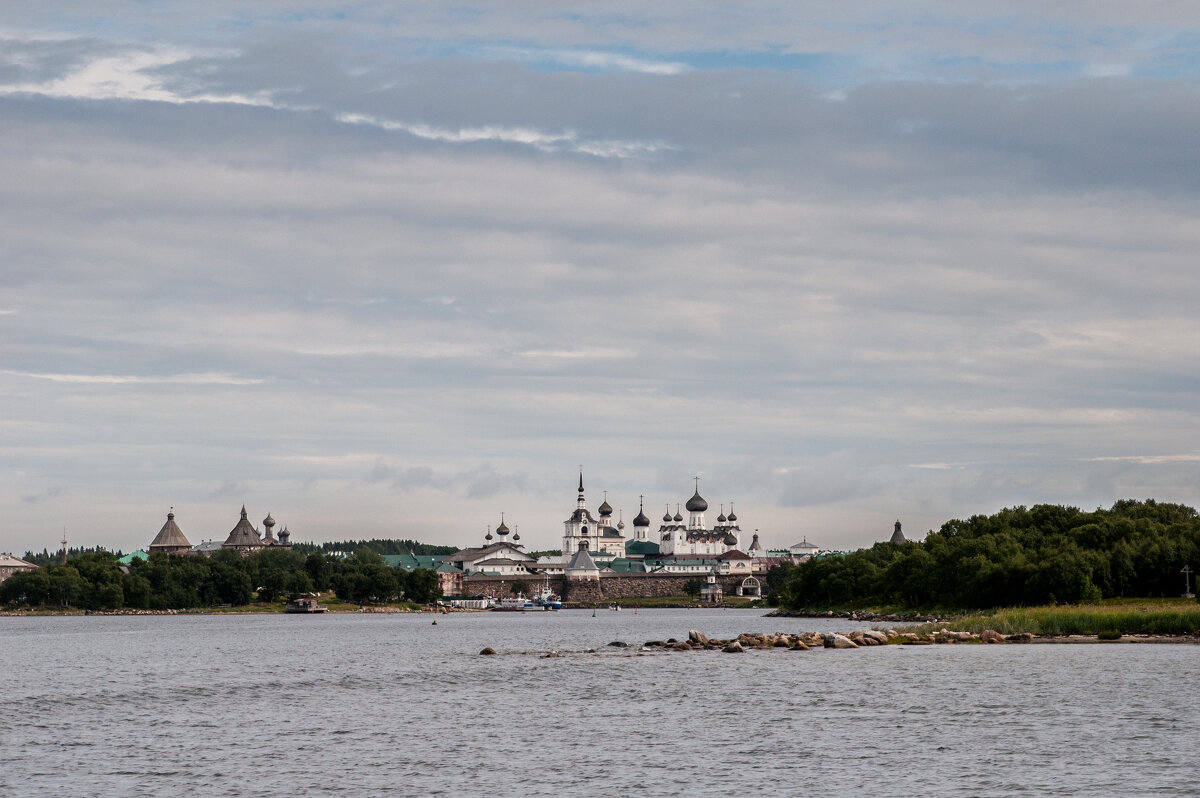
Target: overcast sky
[391,270]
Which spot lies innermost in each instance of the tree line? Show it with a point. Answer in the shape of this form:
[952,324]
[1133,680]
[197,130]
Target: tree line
[95,580]
[1045,554]
[377,545]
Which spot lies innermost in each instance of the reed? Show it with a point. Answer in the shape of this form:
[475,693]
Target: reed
[1151,618]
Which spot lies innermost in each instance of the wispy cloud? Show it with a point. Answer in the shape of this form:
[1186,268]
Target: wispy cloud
[1145,459]
[122,379]
[565,141]
[587,60]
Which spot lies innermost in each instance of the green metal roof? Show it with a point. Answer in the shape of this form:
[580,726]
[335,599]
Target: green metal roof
[409,561]
[641,547]
[140,554]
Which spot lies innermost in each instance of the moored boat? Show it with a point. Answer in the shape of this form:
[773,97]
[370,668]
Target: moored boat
[305,606]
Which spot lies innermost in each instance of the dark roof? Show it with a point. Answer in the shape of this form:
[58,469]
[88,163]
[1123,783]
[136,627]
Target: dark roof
[170,536]
[640,519]
[696,504]
[582,561]
[582,515]
[605,509]
[243,535]
[735,555]
[609,532]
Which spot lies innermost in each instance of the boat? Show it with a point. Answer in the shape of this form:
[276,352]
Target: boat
[548,600]
[305,606]
[514,604]
[615,607]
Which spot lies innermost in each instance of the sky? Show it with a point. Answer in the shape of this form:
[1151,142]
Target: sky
[393,269]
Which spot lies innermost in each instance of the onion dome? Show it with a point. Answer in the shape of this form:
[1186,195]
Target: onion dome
[721,518]
[502,529]
[268,521]
[605,509]
[516,536]
[732,518]
[667,515]
[621,524]
[488,536]
[581,480]
[730,539]
[640,519]
[679,517]
[696,504]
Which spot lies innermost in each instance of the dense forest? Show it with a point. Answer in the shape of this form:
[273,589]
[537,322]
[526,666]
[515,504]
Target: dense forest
[1045,554]
[96,581]
[376,545]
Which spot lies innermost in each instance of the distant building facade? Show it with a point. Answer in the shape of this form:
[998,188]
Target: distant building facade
[11,564]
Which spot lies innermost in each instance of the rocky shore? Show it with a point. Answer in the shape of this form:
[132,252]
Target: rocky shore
[863,638]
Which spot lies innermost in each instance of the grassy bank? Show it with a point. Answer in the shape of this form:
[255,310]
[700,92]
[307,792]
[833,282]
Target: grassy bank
[1123,616]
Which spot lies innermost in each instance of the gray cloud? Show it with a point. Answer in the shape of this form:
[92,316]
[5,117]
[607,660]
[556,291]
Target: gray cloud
[435,309]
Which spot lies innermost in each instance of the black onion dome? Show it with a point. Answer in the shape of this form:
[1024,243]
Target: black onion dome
[677,517]
[502,529]
[605,509]
[667,515]
[730,539]
[732,518]
[721,518]
[641,519]
[696,504]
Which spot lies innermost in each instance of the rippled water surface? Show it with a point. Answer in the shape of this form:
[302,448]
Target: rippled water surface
[361,705]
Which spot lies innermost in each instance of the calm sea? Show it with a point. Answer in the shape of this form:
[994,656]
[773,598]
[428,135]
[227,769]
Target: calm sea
[364,705]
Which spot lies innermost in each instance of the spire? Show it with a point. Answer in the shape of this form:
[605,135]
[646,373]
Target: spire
[581,479]
[243,511]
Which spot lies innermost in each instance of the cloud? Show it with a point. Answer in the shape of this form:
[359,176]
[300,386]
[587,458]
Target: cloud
[567,140]
[120,379]
[53,492]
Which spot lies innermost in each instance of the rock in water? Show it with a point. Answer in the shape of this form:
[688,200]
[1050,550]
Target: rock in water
[800,645]
[991,636]
[618,644]
[698,637]
[841,641]
[487,652]
[733,648]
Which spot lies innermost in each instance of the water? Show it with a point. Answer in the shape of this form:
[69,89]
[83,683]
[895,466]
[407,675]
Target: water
[363,705]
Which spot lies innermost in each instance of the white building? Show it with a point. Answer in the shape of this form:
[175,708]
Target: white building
[583,532]
[694,538]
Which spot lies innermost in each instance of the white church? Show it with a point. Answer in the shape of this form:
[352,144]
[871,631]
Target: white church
[602,539]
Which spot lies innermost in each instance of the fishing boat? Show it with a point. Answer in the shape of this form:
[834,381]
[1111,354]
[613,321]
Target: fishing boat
[548,600]
[515,604]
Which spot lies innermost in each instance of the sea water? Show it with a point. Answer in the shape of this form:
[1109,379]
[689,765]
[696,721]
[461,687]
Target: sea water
[374,704]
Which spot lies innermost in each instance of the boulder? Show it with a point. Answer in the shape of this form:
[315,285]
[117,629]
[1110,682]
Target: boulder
[1023,637]
[618,644]
[857,636]
[681,647]
[991,636]
[733,647]
[800,645]
[878,637]
[781,642]
[827,640]
[487,652]
[698,637]
[841,641]
[655,644]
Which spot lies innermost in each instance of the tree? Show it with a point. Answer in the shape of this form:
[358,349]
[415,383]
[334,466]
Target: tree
[520,586]
[692,587]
